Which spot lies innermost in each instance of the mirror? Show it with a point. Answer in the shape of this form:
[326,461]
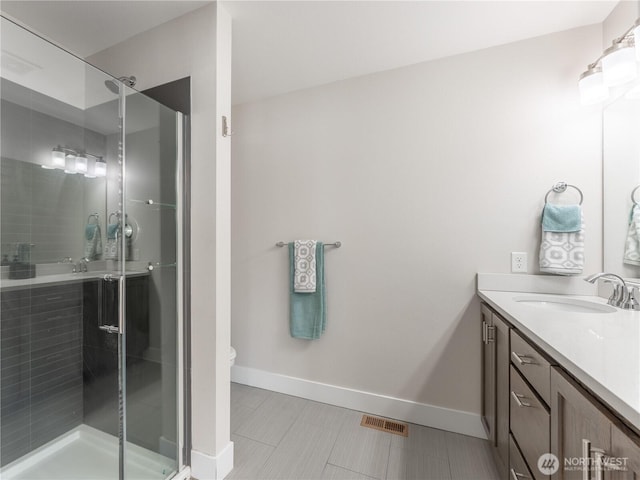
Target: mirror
[621,170]
[44,213]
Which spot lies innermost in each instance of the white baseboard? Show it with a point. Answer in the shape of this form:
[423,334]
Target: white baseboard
[208,467]
[455,421]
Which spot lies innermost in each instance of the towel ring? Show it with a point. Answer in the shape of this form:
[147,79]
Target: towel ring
[633,195]
[94,215]
[561,187]
[111,215]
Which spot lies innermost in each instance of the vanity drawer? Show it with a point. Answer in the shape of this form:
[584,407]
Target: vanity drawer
[518,469]
[530,420]
[532,365]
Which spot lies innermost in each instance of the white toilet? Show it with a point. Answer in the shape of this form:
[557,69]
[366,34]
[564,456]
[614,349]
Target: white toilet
[232,356]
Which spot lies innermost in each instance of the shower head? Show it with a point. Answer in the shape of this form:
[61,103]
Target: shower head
[114,87]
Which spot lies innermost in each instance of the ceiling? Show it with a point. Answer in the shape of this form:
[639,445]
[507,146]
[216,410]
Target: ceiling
[284,46]
[88,26]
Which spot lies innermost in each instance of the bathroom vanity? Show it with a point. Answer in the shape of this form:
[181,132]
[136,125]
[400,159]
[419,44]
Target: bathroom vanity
[561,375]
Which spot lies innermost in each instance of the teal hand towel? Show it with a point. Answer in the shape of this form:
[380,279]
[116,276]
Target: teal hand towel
[307,311]
[90,231]
[112,231]
[561,218]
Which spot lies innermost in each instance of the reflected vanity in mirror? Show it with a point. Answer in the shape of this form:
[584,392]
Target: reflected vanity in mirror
[621,164]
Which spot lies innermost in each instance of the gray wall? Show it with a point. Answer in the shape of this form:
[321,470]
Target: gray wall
[427,174]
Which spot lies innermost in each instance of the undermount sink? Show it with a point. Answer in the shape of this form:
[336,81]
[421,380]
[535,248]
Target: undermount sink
[562,304]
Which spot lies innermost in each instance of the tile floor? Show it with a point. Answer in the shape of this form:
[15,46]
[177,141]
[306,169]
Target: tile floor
[278,436]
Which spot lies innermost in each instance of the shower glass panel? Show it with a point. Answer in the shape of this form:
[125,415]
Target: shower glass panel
[89,281]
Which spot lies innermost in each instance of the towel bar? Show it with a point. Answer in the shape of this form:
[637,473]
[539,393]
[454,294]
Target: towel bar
[633,195]
[334,244]
[561,187]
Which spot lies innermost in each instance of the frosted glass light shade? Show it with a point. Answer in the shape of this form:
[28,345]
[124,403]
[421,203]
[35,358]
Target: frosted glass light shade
[592,88]
[91,168]
[101,168]
[70,164]
[81,164]
[57,159]
[619,64]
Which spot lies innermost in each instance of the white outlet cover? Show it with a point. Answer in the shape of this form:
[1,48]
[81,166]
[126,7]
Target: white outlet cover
[519,262]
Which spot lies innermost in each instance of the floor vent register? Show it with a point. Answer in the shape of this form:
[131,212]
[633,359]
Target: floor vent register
[391,426]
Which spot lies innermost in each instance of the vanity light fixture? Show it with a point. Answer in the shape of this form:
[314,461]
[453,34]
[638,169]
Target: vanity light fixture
[70,164]
[616,66]
[619,63]
[57,159]
[101,167]
[91,167]
[81,163]
[592,87]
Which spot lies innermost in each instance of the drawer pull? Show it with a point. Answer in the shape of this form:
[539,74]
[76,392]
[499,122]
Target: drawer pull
[517,476]
[600,460]
[523,359]
[517,397]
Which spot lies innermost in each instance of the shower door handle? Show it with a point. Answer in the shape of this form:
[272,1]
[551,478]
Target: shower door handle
[107,297]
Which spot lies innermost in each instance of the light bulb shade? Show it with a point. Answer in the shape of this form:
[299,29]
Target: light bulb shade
[57,158]
[70,164]
[619,64]
[91,168]
[592,88]
[101,168]
[81,163]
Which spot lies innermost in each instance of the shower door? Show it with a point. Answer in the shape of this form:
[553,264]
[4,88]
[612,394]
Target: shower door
[90,317]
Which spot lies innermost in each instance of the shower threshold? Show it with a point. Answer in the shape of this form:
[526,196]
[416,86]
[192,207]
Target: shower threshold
[87,453]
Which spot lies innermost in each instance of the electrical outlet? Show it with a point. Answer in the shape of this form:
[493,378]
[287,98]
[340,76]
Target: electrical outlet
[518,262]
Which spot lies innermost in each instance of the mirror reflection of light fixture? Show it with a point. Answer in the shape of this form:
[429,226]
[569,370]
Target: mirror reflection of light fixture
[591,86]
[91,167]
[57,159]
[70,164]
[81,163]
[101,167]
[619,63]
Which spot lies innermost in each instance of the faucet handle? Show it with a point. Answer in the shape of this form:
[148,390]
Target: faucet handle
[631,302]
[617,296]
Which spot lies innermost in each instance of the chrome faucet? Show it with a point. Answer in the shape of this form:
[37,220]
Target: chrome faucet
[622,296]
[83,265]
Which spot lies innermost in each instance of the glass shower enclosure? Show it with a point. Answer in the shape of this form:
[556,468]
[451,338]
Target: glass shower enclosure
[90,279]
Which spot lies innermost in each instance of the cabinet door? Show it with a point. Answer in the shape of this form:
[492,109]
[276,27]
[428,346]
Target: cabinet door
[488,376]
[576,419]
[625,453]
[502,352]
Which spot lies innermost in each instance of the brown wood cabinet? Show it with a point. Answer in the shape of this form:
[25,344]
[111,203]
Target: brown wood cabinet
[625,453]
[495,371]
[532,406]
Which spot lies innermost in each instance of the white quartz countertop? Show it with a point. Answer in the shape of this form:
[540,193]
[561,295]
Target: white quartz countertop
[56,279]
[601,350]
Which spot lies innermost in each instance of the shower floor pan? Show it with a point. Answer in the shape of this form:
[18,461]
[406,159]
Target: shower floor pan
[86,453]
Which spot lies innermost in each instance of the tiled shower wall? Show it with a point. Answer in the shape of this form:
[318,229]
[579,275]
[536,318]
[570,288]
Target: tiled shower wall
[41,356]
